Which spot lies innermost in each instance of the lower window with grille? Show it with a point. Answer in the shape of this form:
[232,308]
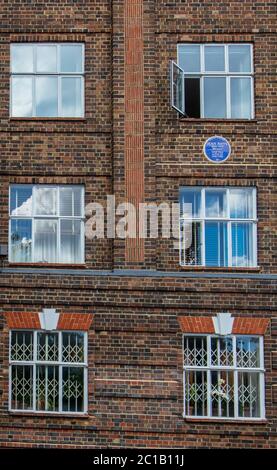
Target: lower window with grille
[48,371]
[223,377]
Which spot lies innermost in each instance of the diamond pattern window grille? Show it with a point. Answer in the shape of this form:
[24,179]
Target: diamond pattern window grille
[73,347]
[48,349]
[247,352]
[21,346]
[195,351]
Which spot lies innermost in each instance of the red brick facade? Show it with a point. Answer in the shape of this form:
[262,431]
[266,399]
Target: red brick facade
[132,144]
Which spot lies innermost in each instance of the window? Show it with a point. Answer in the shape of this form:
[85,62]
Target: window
[224,377]
[213,81]
[47,80]
[46,224]
[218,227]
[48,371]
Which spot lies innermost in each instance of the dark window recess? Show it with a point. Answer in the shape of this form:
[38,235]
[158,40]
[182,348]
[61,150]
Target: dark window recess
[192,97]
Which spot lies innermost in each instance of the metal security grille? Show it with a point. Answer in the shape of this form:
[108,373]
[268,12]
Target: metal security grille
[48,371]
[224,377]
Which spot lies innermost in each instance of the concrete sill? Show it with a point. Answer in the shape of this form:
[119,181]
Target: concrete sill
[38,119]
[47,265]
[226,421]
[223,121]
[221,269]
[49,415]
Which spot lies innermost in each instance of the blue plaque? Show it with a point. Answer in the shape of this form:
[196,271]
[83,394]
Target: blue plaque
[217,149]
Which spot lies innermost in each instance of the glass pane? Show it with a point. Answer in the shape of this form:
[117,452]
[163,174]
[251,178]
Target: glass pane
[71,244]
[215,202]
[248,352]
[196,393]
[241,203]
[214,59]
[73,389]
[240,58]
[222,394]
[73,347]
[71,58]
[71,201]
[222,351]
[241,98]
[21,241]
[22,97]
[22,58]
[191,242]
[177,84]
[189,57]
[45,246]
[46,96]
[216,245]
[22,346]
[248,395]
[21,200]
[45,200]
[72,97]
[214,97]
[195,351]
[47,388]
[242,244]
[46,58]
[22,388]
[47,347]
[190,201]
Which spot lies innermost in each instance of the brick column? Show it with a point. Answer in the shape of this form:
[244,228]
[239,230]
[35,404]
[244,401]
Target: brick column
[134,117]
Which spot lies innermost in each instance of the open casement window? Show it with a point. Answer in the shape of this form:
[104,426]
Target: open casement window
[223,377]
[48,371]
[217,81]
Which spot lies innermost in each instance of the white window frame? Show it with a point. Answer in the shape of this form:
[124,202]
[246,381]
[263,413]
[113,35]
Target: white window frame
[60,75]
[60,364]
[209,368]
[56,217]
[225,74]
[203,218]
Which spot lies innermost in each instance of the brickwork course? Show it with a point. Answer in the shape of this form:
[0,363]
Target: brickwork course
[137,298]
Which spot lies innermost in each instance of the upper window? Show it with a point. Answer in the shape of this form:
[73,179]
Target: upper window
[218,227]
[48,371]
[214,81]
[224,377]
[46,224]
[47,80]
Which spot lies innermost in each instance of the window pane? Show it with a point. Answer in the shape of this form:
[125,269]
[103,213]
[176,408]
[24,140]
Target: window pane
[240,58]
[46,58]
[72,97]
[214,97]
[73,347]
[47,388]
[190,201]
[222,394]
[22,346]
[71,245]
[248,395]
[45,246]
[241,98]
[73,389]
[22,97]
[21,200]
[21,241]
[22,58]
[71,201]
[196,393]
[47,347]
[216,244]
[215,201]
[191,242]
[214,59]
[22,388]
[195,351]
[45,200]
[222,351]
[46,96]
[248,351]
[192,97]
[189,58]
[71,58]
[242,244]
[241,203]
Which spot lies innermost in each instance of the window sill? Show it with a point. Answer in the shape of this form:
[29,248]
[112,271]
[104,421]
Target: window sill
[48,265]
[38,119]
[223,269]
[226,421]
[49,415]
[223,120]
